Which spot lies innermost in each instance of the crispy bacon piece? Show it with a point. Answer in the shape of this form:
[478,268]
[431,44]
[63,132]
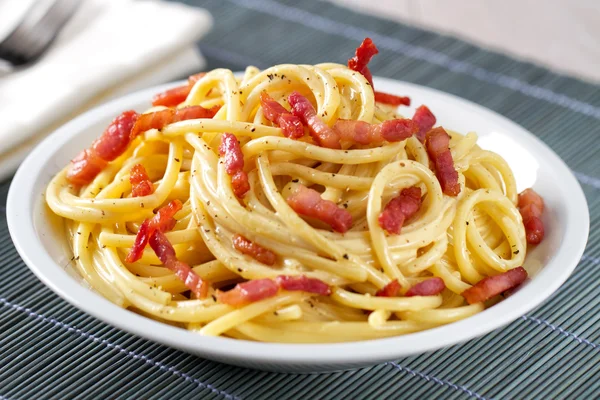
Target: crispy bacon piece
[322,133]
[111,144]
[240,183]
[85,167]
[391,99]
[166,253]
[254,250]
[531,207]
[400,208]
[437,142]
[493,285]
[308,202]
[303,283]
[361,132]
[162,118]
[176,95]
[361,59]
[163,221]
[248,292]
[392,289]
[141,185]
[230,149]
[290,124]
[425,119]
[429,287]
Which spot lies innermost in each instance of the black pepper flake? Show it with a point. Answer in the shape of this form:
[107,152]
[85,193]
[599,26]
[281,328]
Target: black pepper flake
[142,205]
[282,76]
[402,164]
[214,297]
[307,78]
[345,205]
[207,230]
[240,270]
[346,256]
[253,129]
[270,76]
[176,159]
[103,246]
[208,203]
[103,213]
[295,180]
[467,222]
[516,252]
[77,258]
[79,233]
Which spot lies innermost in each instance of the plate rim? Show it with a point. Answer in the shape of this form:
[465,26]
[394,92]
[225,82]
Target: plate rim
[240,352]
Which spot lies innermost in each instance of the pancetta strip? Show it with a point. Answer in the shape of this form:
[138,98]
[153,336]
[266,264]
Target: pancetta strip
[400,208]
[248,292]
[494,285]
[290,124]
[391,99]
[322,133]
[531,207]
[162,118]
[362,56]
[173,97]
[437,142]
[111,144]
[254,250]
[163,221]
[308,202]
[425,119]
[166,253]
[303,283]
[141,185]
[360,132]
[231,151]
[392,289]
[428,287]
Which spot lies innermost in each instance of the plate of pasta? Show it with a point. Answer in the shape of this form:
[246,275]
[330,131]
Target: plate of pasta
[299,218]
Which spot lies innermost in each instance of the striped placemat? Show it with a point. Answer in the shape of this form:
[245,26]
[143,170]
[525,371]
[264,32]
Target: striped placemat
[50,350]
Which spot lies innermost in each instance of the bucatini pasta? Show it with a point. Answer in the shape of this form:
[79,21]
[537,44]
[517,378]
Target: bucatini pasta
[294,204]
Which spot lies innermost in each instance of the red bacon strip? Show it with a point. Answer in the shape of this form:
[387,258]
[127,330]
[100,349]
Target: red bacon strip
[162,118]
[141,185]
[111,144]
[308,202]
[176,95]
[230,149]
[531,207]
[437,142]
[400,208]
[322,133]
[391,99]
[361,132]
[166,253]
[392,289]
[290,124]
[494,285]
[254,250]
[425,120]
[248,292]
[429,287]
[304,284]
[362,56]
[163,221]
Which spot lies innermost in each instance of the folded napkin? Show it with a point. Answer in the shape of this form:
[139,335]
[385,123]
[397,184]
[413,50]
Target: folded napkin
[108,48]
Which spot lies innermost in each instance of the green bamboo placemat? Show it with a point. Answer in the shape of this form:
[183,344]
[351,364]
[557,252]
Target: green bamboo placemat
[50,350]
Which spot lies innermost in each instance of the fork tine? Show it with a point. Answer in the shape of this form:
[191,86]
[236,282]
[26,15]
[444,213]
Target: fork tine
[36,32]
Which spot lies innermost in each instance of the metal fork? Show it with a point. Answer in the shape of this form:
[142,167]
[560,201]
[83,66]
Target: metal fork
[36,31]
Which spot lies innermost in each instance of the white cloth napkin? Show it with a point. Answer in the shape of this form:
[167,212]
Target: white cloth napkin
[110,47]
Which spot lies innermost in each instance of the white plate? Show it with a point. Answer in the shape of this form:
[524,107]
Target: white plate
[43,246]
